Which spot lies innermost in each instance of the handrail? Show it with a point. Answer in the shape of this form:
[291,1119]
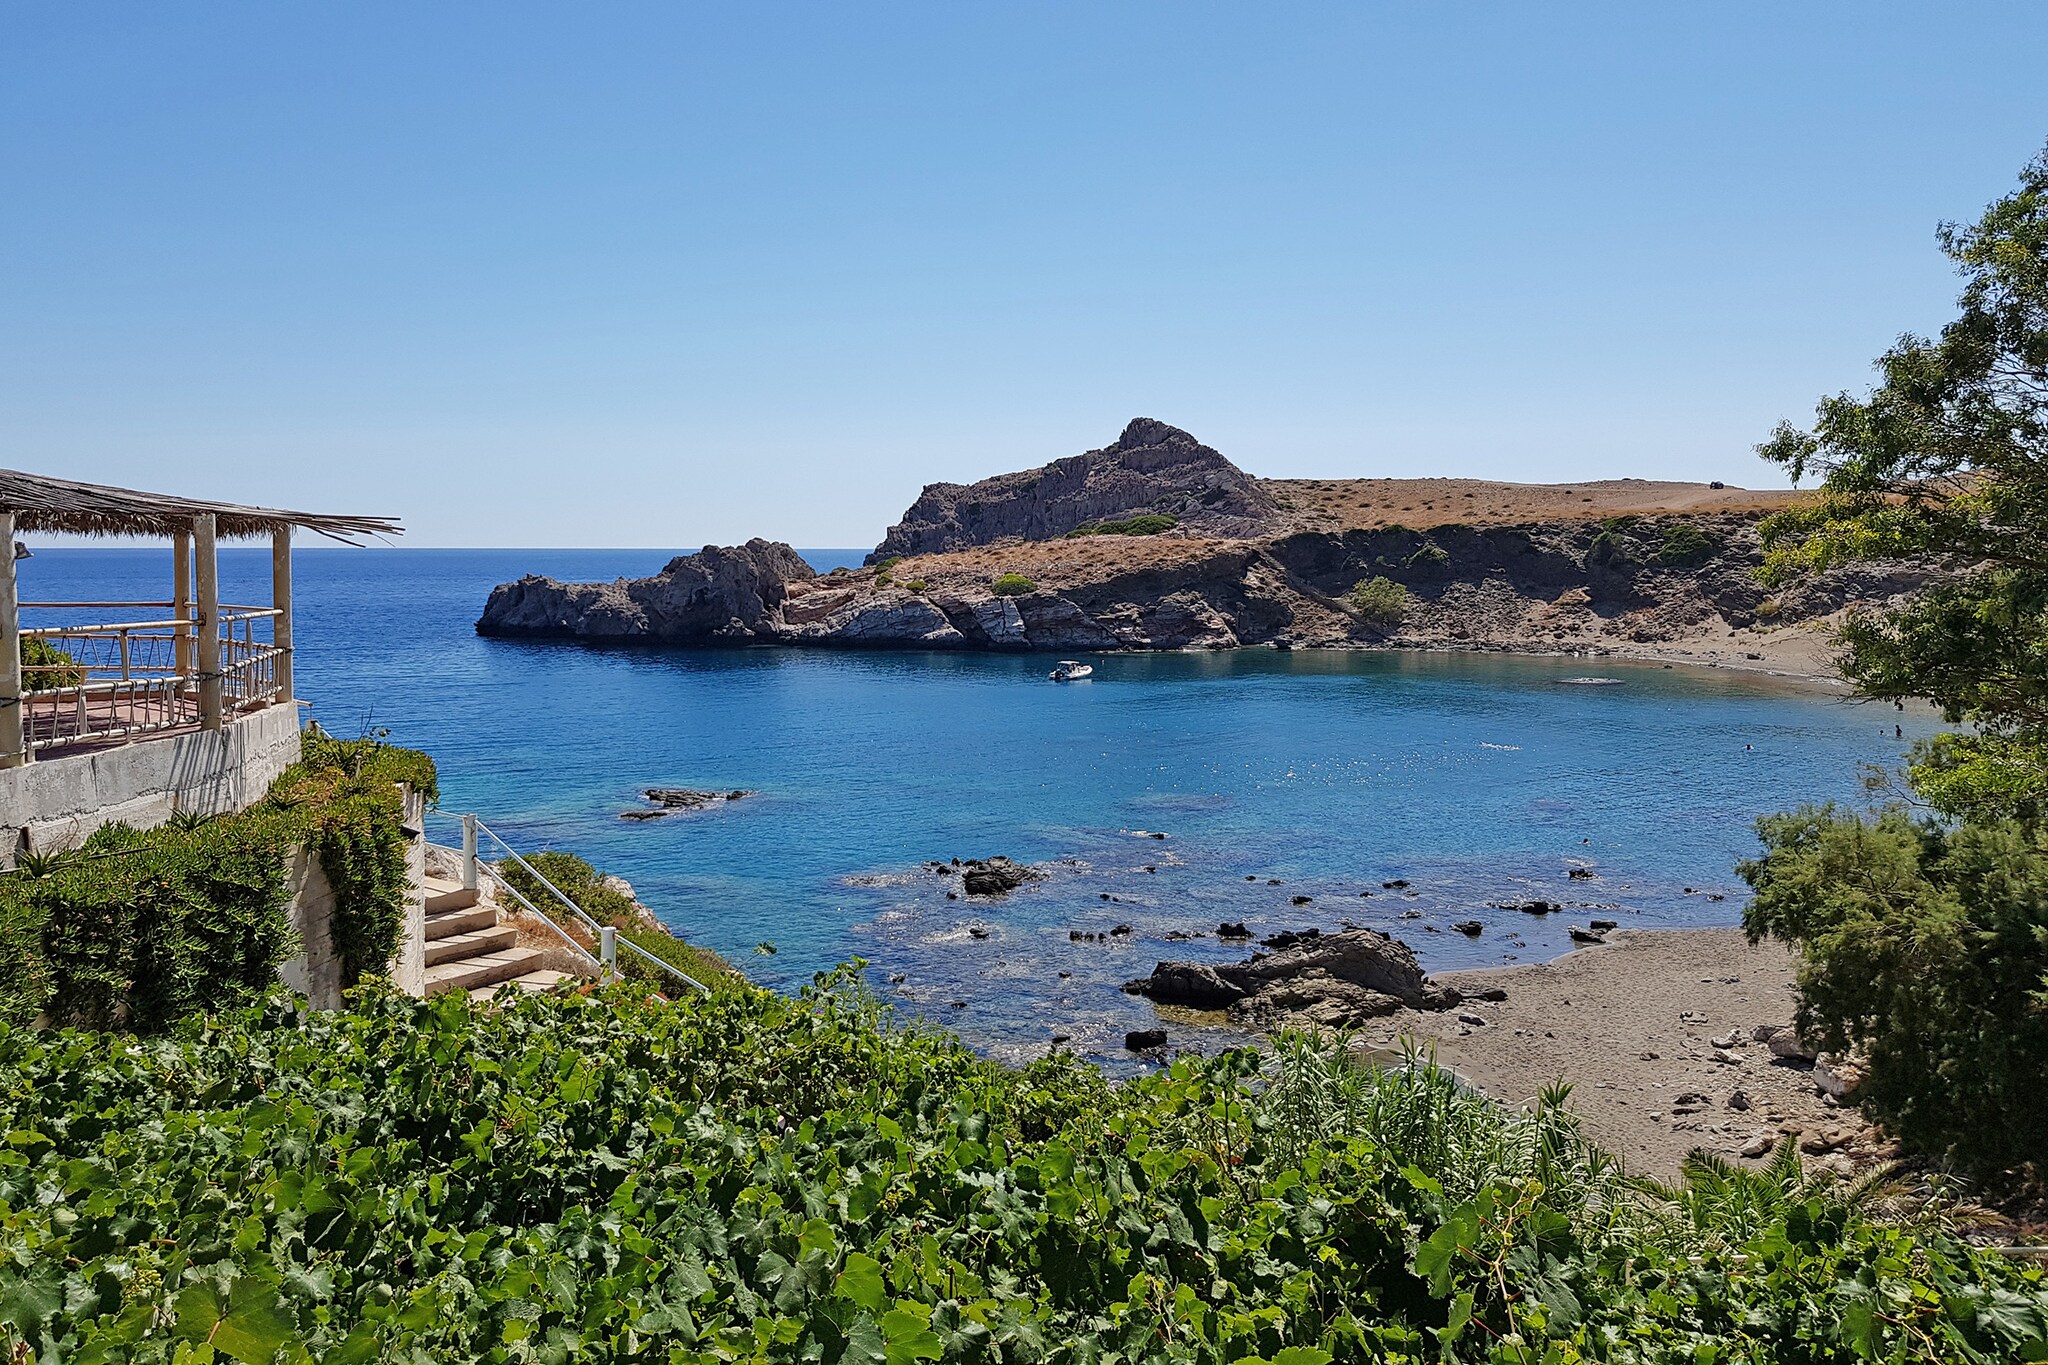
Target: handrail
[605,934]
[556,929]
[665,965]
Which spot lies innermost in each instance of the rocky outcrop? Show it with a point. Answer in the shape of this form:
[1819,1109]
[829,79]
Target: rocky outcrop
[730,594]
[1236,570]
[1152,468]
[1328,980]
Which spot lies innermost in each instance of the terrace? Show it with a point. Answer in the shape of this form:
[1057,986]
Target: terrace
[137,709]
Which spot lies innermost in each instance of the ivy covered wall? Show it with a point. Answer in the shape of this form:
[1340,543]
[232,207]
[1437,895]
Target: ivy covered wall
[138,928]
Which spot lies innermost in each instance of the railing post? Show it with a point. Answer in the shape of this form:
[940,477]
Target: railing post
[469,852]
[124,656]
[608,951]
[13,738]
[208,642]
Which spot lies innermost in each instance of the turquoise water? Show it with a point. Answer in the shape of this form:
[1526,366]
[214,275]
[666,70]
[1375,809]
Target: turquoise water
[1475,779]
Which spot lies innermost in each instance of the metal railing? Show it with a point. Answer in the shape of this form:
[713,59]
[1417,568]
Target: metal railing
[606,936]
[121,678]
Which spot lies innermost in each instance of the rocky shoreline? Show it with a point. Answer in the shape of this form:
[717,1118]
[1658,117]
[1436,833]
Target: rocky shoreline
[1157,542]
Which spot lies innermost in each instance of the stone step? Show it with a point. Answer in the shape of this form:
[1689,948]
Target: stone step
[544,979]
[488,969]
[444,893]
[476,943]
[451,922]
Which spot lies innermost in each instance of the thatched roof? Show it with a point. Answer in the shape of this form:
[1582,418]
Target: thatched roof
[41,503]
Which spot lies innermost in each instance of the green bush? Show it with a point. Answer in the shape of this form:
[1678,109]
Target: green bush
[1927,945]
[750,1178]
[1428,556]
[915,585]
[1012,585]
[44,665]
[574,878]
[1379,601]
[699,964]
[1148,524]
[1686,545]
[144,927]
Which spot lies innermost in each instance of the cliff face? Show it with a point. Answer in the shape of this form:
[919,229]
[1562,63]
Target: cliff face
[717,594]
[1152,468]
[1571,586]
[1677,584]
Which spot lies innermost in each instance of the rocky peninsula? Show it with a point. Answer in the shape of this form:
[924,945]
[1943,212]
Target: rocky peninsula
[1158,542]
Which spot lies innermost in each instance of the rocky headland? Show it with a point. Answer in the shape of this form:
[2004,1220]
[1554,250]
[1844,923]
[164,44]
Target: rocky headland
[1158,542]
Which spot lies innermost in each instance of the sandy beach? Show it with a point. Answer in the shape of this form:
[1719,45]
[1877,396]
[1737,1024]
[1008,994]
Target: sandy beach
[1631,1025]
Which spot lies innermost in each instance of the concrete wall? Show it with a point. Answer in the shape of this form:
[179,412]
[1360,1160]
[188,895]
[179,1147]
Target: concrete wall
[57,802]
[316,972]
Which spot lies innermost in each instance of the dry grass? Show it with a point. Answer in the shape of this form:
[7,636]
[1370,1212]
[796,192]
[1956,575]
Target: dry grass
[1356,504]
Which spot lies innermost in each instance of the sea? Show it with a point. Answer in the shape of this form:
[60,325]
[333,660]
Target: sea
[1406,792]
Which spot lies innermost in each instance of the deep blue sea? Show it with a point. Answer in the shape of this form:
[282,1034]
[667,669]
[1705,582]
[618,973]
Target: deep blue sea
[1474,779]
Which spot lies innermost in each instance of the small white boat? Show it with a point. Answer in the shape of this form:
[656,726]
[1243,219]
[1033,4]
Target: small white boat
[1070,670]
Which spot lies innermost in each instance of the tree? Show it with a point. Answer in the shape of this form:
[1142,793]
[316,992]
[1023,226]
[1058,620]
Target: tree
[1947,459]
[1924,934]
[1379,602]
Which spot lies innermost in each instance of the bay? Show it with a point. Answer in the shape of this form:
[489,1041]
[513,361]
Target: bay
[1474,779]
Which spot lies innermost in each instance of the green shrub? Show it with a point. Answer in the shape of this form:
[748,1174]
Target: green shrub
[1427,556]
[701,965]
[45,666]
[574,878]
[1147,524]
[1379,601]
[1686,545]
[915,585]
[1012,585]
[1927,945]
[747,1177]
[144,927]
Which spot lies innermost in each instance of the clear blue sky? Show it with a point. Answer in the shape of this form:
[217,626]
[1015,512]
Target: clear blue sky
[660,274]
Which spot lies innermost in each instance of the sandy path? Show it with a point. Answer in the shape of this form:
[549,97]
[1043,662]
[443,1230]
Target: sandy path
[1630,1025]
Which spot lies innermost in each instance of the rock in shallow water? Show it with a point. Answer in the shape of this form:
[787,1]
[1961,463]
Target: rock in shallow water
[1335,980]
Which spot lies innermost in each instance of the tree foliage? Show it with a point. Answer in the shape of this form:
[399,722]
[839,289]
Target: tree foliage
[1947,460]
[753,1178]
[1379,601]
[1926,946]
[1926,939]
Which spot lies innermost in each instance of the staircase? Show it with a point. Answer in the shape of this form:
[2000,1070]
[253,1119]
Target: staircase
[468,950]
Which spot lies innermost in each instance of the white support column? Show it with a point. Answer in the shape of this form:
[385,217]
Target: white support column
[207,622]
[13,742]
[469,852]
[281,598]
[181,601]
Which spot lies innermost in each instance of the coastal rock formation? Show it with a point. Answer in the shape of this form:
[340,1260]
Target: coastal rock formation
[1248,562]
[1152,468]
[1328,980]
[732,594]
